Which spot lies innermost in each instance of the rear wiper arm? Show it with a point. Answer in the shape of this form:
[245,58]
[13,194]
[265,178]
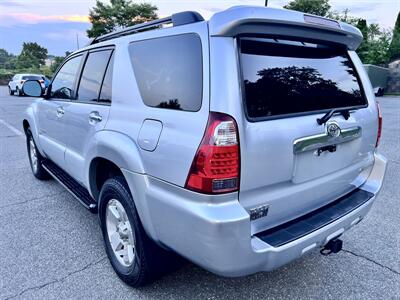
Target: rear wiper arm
[344,112]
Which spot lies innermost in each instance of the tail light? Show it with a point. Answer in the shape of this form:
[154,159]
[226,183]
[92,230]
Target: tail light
[215,167]
[378,138]
[22,81]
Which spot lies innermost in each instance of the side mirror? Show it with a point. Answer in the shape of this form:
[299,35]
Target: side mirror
[32,88]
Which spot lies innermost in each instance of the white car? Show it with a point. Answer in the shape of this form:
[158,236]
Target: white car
[16,83]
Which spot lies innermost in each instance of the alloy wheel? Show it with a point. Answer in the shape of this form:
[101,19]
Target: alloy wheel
[33,155]
[120,233]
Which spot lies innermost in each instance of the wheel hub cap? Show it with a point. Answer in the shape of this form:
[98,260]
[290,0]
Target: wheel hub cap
[120,233]
[33,155]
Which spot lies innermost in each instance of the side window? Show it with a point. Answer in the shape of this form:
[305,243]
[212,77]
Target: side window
[106,89]
[92,75]
[169,71]
[63,84]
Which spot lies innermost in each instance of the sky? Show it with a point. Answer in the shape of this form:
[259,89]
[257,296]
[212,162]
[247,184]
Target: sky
[56,24]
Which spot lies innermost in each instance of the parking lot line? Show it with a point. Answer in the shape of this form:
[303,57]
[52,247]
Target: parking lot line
[12,128]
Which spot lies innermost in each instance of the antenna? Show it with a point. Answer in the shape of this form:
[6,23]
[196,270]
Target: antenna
[77,42]
[266,2]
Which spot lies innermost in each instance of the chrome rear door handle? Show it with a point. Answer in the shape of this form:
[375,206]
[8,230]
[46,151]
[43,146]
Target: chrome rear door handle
[94,117]
[60,111]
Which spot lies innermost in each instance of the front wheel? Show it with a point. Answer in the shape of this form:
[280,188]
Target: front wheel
[18,92]
[35,159]
[135,258]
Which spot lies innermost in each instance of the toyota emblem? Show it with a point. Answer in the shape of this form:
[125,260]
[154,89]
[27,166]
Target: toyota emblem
[333,129]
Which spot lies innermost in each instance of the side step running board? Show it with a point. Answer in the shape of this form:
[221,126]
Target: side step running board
[72,186]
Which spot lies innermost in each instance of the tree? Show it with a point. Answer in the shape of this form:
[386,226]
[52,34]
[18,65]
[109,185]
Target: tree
[363,48]
[106,18]
[32,56]
[315,7]
[375,47]
[58,60]
[394,48]
[7,60]
[345,16]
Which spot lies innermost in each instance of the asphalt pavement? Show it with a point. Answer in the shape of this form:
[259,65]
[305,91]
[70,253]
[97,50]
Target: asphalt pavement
[51,247]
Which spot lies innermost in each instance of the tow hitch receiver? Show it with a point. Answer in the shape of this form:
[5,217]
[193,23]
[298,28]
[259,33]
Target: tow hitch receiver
[333,246]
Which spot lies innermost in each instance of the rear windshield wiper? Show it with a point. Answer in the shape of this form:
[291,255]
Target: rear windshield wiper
[345,112]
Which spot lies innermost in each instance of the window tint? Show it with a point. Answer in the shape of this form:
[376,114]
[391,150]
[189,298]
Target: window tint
[92,75]
[63,83]
[106,89]
[290,77]
[168,71]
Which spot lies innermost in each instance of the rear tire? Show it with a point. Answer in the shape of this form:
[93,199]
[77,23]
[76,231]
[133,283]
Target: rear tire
[117,212]
[35,159]
[10,91]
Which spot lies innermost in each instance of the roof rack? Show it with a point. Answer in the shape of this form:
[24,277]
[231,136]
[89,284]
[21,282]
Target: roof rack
[182,18]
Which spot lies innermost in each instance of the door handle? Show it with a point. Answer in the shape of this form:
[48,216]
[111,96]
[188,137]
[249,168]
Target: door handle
[60,111]
[94,117]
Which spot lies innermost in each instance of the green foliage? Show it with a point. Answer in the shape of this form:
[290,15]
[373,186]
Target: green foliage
[58,61]
[7,60]
[315,7]
[32,56]
[106,18]
[375,48]
[394,48]
[5,75]
[31,60]
[345,16]
[376,51]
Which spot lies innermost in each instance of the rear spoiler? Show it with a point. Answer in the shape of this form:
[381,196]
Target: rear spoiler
[283,23]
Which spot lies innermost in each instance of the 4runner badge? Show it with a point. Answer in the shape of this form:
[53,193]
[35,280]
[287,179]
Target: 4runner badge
[333,129]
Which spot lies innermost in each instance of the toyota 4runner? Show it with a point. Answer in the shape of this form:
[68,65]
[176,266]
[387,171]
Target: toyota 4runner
[240,143]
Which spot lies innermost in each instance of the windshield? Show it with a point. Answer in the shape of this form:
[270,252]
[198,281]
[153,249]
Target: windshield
[286,77]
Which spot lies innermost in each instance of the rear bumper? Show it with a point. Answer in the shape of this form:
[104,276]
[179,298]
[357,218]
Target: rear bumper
[215,232]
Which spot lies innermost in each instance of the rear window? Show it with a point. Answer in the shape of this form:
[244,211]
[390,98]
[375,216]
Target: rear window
[31,77]
[169,71]
[283,78]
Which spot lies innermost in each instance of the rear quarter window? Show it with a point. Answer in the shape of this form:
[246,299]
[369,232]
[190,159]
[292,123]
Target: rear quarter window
[284,78]
[168,71]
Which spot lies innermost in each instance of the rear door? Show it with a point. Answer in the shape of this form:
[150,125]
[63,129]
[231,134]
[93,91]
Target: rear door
[290,162]
[88,112]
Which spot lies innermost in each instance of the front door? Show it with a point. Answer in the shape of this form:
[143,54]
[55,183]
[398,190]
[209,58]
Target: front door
[52,135]
[88,113]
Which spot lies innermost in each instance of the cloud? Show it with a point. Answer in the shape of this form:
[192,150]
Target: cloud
[69,34]
[9,3]
[30,18]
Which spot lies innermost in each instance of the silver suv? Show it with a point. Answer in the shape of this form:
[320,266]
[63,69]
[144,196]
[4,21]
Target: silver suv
[240,143]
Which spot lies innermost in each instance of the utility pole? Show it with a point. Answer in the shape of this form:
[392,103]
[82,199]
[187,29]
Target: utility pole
[77,42]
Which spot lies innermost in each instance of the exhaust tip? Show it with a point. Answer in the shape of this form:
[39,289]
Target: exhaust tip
[333,246]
